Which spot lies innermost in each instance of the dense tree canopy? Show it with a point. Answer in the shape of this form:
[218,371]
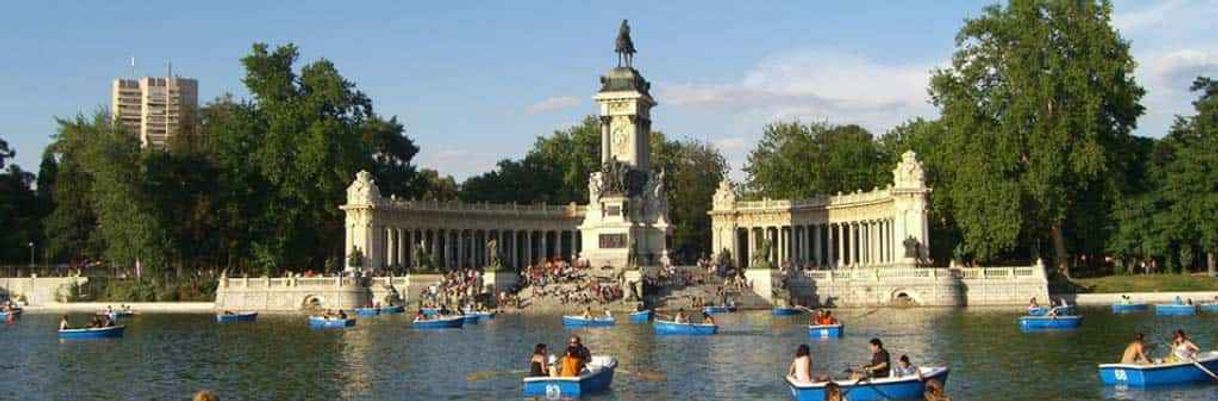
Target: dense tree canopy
[1038,102]
[794,160]
[18,204]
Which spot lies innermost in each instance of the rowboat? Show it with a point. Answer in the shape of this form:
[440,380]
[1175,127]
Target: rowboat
[826,330]
[482,315]
[429,312]
[116,314]
[580,321]
[780,311]
[1175,309]
[1208,307]
[1130,308]
[86,334]
[395,309]
[1028,323]
[890,388]
[13,312]
[640,316]
[229,317]
[597,378]
[367,312]
[329,322]
[451,322]
[1160,374]
[669,327]
[711,310]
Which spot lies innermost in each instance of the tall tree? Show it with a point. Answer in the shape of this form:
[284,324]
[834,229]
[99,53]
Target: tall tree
[1190,177]
[795,160]
[692,172]
[18,208]
[1038,101]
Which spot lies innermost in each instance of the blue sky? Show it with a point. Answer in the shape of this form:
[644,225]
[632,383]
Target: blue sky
[477,81]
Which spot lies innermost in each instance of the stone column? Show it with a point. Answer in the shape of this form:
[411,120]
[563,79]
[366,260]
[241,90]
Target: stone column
[545,250]
[817,256]
[831,239]
[840,261]
[752,247]
[529,248]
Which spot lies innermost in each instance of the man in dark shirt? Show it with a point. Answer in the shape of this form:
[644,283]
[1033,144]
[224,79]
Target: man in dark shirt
[881,362]
[584,353]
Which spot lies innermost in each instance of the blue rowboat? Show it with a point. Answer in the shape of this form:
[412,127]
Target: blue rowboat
[367,312]
[1209,307]
[668,327]
[13,313]
[324,322]
[596,379]
[1175,309]
[482,316]
[1162,374]
[387,310]
[640,316]
[711,310]
[1129,308]
[451,322]
[471,318]
[87,334]
[236,317]
[118,314]
[891,388]
[1044,310]
[1029,323]
[580,321]
[780,311]
[826,330]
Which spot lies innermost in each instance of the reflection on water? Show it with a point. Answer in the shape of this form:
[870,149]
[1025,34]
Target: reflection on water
[168,357]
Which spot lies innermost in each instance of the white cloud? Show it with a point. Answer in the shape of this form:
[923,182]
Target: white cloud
[825,85]
[1148,17]
[731,144]
[553,104]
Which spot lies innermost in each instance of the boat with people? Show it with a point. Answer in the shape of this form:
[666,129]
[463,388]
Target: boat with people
[393,309]
[597,378]
[330,322]
[878,389]
[835,330]
[640,316]
[670,327]
[1175,309]
[367,312]
[1208,307]
[233,317]
[715,309]
[1130,307]
[785,311]
[1149,375]
[89,333]
[116,314]
[577,321]
[4,315]
[439,322]
[481,315]
[430,311]
[1029,323]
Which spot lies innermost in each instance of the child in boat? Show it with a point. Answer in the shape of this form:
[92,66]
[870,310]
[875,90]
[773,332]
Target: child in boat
[537,363]
[906,369]
[571,364]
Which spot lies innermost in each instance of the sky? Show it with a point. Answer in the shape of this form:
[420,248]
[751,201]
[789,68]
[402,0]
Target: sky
[477,81]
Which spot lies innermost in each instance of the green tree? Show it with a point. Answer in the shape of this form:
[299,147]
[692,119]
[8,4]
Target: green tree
[1038,101]
[795,160]
[18,209]
[1190,178]
[692,172]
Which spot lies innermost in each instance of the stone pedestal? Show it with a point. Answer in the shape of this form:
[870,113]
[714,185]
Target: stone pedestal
[633,280]
[494,282]
[764,281]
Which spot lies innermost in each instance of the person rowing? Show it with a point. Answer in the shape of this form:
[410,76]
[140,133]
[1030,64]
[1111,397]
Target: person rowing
[1135,352]
[1033,305]
[584,353]
[825,318]
[680,316]
[537,363]
[880,366]
[587,313]
[707,319]
[1183,348]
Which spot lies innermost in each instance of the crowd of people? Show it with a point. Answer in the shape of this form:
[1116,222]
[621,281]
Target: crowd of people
[457,287]
[570,284]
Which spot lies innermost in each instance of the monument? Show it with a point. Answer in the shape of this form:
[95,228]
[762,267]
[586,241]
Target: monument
[626,221]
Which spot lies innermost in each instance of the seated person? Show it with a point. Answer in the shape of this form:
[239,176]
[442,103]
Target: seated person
[537,363]
[571,364]
[680,316]
[801,367]
[707,318]
[880,362]
[638,307]
[63,323]
[1135,352]
[608,314]
[588,313]
[906,369]
[1183,348]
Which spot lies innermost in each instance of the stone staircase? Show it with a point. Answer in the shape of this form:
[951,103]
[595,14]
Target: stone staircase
[672,297]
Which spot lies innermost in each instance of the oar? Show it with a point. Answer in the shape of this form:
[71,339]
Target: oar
[478,376]
[1202,367]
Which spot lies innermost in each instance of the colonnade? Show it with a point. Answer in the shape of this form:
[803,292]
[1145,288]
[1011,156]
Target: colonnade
[468,247]
[864,243]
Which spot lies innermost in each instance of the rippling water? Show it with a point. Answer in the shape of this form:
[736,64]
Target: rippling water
[169,357]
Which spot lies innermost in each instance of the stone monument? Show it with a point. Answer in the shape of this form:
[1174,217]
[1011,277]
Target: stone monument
[626,223]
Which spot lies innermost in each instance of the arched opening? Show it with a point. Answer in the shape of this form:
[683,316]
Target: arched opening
[902,297]
[311,303]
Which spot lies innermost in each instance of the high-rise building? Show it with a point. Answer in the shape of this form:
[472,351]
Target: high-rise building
[155,109]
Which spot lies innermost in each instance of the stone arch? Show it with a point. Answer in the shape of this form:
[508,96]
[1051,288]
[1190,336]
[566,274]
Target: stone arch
[312,302]
[905,297]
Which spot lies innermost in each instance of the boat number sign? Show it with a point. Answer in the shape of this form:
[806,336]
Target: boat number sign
[1120,375]
[553,392]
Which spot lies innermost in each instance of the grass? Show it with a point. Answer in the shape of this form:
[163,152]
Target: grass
[1148,283]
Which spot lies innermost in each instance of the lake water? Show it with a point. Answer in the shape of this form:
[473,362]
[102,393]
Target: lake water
[169,357]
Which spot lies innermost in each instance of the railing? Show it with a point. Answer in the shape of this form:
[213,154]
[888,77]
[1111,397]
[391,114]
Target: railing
[285,282]
[816,201]
[977,273]
[511,208]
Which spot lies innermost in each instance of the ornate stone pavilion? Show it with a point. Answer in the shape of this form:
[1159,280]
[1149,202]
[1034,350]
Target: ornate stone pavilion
[861,229]
[625,223]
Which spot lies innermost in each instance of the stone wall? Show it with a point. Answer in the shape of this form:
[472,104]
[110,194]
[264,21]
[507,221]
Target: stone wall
[918,286]
[38,290]
[290,294]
